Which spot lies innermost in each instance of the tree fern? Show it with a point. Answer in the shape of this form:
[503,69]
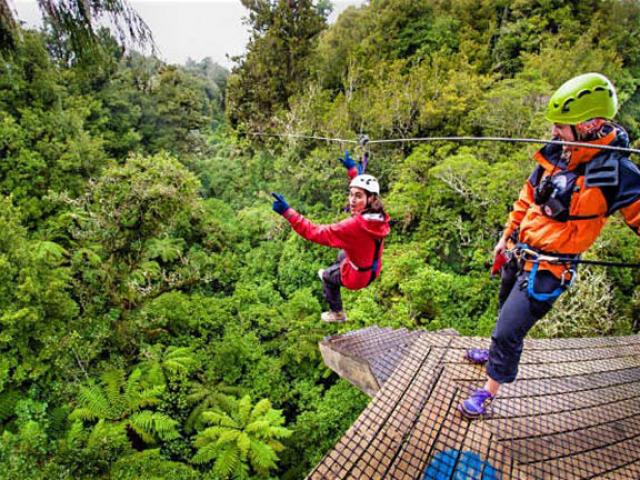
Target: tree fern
[161,363]
[120,403]
[179,360]
[167,249]
[207,398]
[240,438]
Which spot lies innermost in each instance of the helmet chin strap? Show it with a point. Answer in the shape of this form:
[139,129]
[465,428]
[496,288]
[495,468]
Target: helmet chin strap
[576,135]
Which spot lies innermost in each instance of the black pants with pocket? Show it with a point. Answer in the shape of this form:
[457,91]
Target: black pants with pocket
[517,315]
[331,283]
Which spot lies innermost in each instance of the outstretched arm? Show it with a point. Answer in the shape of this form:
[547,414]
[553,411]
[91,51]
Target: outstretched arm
[336,235]
[349,163]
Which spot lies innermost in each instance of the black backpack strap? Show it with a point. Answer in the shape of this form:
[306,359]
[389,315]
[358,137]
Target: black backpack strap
[376,261]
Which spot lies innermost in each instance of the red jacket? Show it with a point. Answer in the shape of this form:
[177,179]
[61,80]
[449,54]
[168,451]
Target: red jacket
[355,235]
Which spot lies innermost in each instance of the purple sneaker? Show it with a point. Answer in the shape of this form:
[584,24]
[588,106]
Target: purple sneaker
[477,355]
[474,406]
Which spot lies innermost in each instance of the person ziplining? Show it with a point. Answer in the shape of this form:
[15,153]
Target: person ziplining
[360,238]
[560,212]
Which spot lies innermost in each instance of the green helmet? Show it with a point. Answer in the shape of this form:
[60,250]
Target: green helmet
[582,98]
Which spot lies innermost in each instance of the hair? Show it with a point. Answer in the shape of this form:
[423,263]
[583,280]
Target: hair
[374,204]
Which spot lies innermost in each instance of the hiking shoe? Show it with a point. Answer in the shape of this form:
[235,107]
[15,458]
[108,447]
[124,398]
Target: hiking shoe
[477,355]
[321,273]
[333,317]
[476,405]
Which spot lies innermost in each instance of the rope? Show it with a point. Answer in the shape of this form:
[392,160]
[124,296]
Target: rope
[601,263]
[454,139]
[535,257]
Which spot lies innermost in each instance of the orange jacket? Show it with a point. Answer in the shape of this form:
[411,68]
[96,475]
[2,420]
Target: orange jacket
[586,208]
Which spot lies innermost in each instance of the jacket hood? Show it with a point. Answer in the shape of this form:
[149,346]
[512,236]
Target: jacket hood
[376,224]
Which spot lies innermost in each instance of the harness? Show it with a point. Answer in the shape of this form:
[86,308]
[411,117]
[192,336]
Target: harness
[374,265]
[527,254]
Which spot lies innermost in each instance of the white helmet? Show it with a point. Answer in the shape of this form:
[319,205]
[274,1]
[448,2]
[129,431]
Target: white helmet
[366,182]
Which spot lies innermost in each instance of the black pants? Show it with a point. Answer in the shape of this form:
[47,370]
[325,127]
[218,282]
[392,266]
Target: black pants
[331,283]
[517,315]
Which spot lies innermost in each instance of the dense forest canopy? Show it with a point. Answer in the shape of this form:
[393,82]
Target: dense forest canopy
[157,319]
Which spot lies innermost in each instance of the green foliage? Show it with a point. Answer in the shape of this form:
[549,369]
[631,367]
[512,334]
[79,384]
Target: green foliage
[120,405]
[144,279]
[276,61]
[241,437]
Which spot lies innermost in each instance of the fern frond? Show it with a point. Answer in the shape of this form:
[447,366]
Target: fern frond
[280,432]
[261,408]
[244,409]
[165,426]
[274,417]
[275,444]
[206,453]
[147,424]
[208,435]
[198,393]
[244,444]
[262,456]
[180,359]
[132,389]
[82,413]
[92,397]
[227,461]
[149,397]
[260,428]
[113,380]
[142,424]
[168,249]
[228,436]
[217,417]
[194,420]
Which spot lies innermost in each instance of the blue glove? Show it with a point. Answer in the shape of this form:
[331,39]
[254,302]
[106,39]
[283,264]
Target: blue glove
[347,161]
[280,205]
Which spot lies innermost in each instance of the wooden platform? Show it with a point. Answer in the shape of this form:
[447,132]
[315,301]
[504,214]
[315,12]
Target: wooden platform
[573,413]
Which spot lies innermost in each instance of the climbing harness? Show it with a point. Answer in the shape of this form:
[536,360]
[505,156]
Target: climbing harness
[527,254]
[374,266]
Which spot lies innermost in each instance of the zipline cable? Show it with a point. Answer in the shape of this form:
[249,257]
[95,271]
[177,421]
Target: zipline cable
[454,139]
[365,141]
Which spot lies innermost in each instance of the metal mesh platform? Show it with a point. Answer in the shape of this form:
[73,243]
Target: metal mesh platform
[573,413]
